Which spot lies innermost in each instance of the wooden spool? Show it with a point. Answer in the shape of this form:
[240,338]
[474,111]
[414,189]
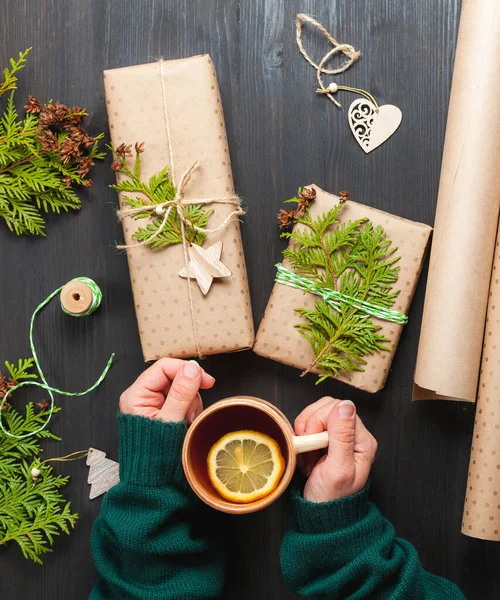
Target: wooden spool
[76,297]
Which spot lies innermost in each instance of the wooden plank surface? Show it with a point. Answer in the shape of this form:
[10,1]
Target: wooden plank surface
[281,135]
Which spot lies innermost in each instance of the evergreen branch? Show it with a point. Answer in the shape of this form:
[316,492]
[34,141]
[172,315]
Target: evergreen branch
[354,258]
[42,157]
[159,189]
[9,75]
[32,513]
[22,370]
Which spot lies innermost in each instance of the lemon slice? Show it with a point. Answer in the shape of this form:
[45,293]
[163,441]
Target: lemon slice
[245,466]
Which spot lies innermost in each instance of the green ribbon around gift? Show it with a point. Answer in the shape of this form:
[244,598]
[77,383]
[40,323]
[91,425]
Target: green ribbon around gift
[334,298]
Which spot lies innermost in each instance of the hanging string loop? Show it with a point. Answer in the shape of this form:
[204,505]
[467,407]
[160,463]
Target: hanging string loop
[349,51]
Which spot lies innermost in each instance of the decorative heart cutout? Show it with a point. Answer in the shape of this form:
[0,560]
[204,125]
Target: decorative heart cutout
[371,127]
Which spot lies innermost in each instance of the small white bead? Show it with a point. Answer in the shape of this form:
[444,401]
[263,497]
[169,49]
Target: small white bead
[333,87]
[35,473]
[160,210]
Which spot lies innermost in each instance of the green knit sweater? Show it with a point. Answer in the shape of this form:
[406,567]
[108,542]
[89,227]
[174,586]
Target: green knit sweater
[150,539]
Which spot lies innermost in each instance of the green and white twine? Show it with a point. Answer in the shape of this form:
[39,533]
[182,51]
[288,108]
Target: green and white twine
[96,298]
[96,301]
[334,298]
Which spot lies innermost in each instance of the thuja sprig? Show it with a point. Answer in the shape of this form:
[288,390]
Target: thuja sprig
[158,190]
[31,514]
[9,75]
[42,155]
[354,258]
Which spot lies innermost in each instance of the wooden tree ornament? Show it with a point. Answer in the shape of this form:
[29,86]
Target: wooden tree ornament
[103,473]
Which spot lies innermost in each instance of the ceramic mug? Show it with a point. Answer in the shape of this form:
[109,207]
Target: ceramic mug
[234,414]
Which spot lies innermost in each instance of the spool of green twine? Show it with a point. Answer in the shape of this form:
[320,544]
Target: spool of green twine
[80,297]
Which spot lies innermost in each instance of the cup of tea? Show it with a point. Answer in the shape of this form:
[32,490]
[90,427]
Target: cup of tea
[235,414]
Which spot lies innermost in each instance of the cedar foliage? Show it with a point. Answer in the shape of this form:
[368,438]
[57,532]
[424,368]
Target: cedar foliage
[356,259]
[32,513]
[42,156]
[159,189]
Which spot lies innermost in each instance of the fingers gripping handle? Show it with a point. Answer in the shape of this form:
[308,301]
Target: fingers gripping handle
[307,443]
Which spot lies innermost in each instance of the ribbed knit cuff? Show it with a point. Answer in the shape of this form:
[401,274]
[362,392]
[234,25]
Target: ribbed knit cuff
[151,451]
[323,517]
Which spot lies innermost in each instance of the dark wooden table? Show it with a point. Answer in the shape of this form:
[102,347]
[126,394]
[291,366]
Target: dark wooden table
[281,135]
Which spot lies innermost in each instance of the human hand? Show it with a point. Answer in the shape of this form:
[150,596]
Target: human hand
[344,470]
[168,391]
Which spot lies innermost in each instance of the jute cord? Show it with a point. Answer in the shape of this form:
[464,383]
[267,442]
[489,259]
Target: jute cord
[349,51]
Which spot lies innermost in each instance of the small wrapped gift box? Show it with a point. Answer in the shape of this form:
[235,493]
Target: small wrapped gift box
[174,109]
[278,337]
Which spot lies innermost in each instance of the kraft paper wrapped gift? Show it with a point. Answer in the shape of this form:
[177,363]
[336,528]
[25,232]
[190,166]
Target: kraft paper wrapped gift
[278,339]
[174,107]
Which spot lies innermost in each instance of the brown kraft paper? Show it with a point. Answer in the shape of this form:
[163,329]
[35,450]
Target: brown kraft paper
[277,337]
[482,499]
[452,331]
[137,112]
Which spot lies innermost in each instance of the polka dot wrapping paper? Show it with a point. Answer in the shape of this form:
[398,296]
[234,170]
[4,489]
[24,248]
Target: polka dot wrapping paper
[459,349]
[451,337]
[139,100]
[277,337]
[482,499]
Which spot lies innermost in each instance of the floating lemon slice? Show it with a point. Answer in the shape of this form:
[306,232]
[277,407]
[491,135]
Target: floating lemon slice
[245,466]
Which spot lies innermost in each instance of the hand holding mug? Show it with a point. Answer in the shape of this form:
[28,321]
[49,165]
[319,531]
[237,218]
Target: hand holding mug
[344,470]
[168,391]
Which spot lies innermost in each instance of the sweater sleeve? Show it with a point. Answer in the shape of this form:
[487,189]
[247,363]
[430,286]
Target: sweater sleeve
[149,542]
[345,549]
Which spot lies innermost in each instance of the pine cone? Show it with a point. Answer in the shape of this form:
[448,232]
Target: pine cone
[32,105]
[76,133]
[69,149]
[84,162]
[75,115]
[344,196]
[3,386]
[304,201]
[124,150]
[286,217]
[309,194]
[48,140]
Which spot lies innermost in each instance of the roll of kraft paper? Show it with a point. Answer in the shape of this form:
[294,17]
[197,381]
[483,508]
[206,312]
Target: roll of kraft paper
[461,259]
[482,499]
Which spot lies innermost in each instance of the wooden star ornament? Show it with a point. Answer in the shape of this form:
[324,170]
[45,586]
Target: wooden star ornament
[205,265]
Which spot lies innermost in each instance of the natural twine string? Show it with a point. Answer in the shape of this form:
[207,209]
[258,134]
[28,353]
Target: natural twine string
[346,49]
[180,205]
[79,454]
[96,300]
[164,209]
[334,298]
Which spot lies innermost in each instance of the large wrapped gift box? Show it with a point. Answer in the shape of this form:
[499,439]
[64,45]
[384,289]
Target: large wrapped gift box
[174,107]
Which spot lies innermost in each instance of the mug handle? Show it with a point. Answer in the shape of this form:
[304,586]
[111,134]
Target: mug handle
[307,443]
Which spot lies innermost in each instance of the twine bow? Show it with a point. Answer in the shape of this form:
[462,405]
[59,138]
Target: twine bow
[346,49]
[165,209]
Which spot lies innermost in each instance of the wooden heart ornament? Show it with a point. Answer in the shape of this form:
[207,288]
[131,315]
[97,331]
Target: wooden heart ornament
[371,127]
